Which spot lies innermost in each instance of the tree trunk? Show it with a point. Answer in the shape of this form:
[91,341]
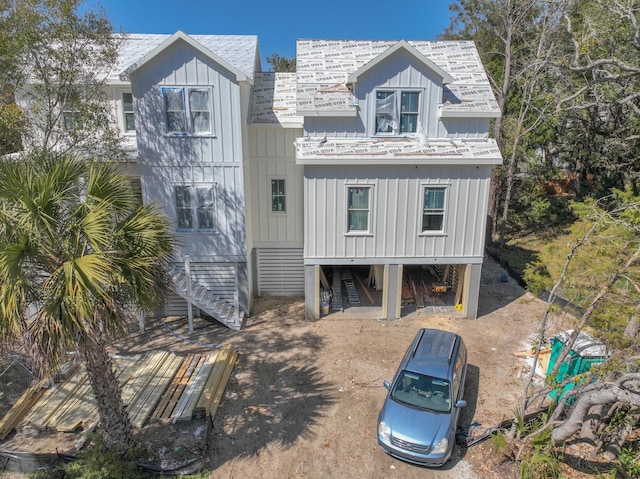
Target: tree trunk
[619,436]
[633,326]
[116,428]
[594,395]
[592,422]
[507,196]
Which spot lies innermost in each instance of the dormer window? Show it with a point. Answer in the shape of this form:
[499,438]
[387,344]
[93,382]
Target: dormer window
[397,112]
[188,110]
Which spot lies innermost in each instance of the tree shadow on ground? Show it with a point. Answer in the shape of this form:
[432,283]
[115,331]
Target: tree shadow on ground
[277,395]
[587,466]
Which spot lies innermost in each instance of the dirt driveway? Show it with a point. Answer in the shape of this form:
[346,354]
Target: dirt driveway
[304,397]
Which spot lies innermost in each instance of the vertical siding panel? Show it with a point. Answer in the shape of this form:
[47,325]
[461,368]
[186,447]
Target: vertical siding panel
[471,195]
[329,229]
[382,203]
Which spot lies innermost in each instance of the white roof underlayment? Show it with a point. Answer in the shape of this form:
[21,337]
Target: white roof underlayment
[274,99]
[323,66]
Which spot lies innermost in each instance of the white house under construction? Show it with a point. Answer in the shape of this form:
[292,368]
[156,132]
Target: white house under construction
[360,181]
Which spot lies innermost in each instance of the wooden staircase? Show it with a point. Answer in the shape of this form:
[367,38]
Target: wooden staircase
[198,295]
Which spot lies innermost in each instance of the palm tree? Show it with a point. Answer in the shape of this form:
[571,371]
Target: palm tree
[77,252]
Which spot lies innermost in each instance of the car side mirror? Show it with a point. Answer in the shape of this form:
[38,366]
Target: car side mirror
[461,403]
[386,384]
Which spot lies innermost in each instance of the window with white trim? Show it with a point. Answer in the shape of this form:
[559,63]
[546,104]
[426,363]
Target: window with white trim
[358,209]
[188,110]
[195,207]
[397,112]
[433,209]
[127,111]
[278,196]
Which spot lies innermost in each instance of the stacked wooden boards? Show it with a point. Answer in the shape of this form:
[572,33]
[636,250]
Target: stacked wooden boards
[157,385]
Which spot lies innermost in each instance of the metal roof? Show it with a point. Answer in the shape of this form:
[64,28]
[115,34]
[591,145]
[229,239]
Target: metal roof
[327,64]
[274,99]
[240,51]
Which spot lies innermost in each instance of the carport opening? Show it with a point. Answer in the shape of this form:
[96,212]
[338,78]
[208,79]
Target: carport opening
[431,288]
[360,289]
[356,289]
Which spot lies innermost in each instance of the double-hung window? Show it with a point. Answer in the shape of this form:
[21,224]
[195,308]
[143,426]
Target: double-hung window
[127,110]
[195,207]
[397,112]
[358,209]
[278,196]
[433,209]
[188,110]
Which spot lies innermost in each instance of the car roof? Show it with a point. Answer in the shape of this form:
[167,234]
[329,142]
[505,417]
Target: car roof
[433,352]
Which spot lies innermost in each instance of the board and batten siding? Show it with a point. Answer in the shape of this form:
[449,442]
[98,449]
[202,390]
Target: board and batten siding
[276,238]
[169,160]
[228,237]
[396,215]
[463,128]
[181,65]
[273,157]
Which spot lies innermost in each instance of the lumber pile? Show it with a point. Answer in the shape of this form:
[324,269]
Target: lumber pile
[212,395]
[157,385]
[9,422]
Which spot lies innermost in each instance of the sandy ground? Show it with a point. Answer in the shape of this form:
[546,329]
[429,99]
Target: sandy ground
[304,397]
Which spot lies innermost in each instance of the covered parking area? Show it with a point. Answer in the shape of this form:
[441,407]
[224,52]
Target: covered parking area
[391,291]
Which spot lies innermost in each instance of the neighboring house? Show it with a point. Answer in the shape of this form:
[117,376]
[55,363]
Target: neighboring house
[373,155]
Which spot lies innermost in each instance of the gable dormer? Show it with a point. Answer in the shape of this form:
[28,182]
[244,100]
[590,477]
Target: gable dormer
[389,89]
[182,38]
[399,92]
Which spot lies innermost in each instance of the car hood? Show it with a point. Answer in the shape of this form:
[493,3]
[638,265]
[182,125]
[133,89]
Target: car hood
[417,426]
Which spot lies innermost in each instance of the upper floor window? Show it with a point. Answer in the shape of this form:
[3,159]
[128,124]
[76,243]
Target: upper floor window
[358,208]
[278,196]
[188,110]
[127,108]
[433,209]
[397,112]
[195,207]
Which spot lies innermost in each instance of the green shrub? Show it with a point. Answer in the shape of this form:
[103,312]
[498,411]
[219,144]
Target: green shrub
[98,463]
[628,462]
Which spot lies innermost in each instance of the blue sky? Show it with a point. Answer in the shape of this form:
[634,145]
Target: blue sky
[278,23]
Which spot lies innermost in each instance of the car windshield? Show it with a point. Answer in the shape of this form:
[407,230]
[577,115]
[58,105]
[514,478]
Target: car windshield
[422,391]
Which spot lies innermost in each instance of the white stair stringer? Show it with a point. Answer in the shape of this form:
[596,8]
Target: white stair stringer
[206,301]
